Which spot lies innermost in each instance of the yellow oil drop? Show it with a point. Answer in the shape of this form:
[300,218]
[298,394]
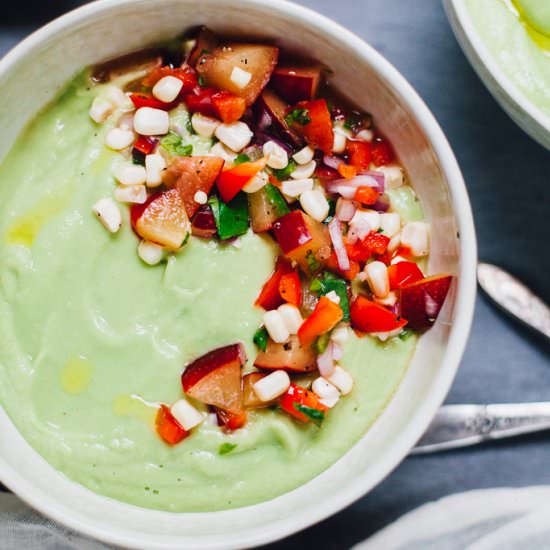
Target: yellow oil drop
[537,35]
[76,375]
[135,406]
[24,229]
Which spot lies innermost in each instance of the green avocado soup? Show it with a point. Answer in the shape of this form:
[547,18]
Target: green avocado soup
[517,34]
[92,338]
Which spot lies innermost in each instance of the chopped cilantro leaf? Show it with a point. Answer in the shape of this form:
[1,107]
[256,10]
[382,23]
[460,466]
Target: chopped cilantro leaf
[380,230]
[312,262]
[173,143]
[226,448]
[301,116]
[321,344]
[405,334]
[314,415]
[241,158]
[284,173]
[200,80]
[260,338]
[316,285]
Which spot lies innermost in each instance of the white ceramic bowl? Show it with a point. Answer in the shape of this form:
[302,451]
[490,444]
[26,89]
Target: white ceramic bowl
[519,107]
[31,75]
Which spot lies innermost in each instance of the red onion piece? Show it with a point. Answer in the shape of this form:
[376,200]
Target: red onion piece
[325,362]
[379,177]
[345,191]
[345,209]
[335,232]
[262,137]
[382,204]
[332,161]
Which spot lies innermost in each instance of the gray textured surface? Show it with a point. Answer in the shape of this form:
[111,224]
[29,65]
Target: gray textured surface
[508,177]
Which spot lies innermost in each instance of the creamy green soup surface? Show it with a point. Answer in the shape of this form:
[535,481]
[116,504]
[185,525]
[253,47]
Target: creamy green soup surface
[517,34]
[92,339]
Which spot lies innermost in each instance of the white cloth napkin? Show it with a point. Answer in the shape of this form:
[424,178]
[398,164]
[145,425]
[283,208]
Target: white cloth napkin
[490,519]
[21,528]
[503,519]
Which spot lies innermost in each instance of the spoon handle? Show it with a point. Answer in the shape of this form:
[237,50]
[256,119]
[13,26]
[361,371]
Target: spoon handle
[457,426]
[514,297]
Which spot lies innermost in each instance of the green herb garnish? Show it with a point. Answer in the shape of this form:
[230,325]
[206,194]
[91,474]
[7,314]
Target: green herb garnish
[226,448]
[380,230]
[200,80]
[314,415]
[405,334]
[321,344]
[327,282]
[241,158]
[301,116]
[260,338]
[231,218]
[173,143]
[312,262]
[284,173]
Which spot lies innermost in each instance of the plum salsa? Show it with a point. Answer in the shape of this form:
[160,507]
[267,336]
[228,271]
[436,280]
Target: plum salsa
[217,138]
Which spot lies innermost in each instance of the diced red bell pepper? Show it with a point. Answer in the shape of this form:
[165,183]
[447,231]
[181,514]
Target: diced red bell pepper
[147,100]
[366,195]
[318,131]
[186,74]
[382,152]
[373,243]
[377,242]
[231,181]
[324,317]
[290,288]
[347,170]
[215,103]
[349,274]
[168,428]
[145,144]
[297,396]
[368,316]
[200,101]
[360,154]
[270,297]
[231,421]
[403,273]
[230,107]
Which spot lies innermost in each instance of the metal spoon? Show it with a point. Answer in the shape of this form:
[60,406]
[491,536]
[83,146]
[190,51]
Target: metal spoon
[463,425]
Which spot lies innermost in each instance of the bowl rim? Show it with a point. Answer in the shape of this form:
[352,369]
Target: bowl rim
[461,18]
[463,309]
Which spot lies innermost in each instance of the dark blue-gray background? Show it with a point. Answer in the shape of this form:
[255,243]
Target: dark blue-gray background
[508,178]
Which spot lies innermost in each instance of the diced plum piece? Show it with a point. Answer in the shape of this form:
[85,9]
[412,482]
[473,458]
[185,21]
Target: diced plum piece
[215,378]
[422,301]
[250,399]
[204,224]
[191,174]
[138,63]
[206,42]
[259,60]
[290,356]
[276,108]
[163,220]
[303,240]
[298,83]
